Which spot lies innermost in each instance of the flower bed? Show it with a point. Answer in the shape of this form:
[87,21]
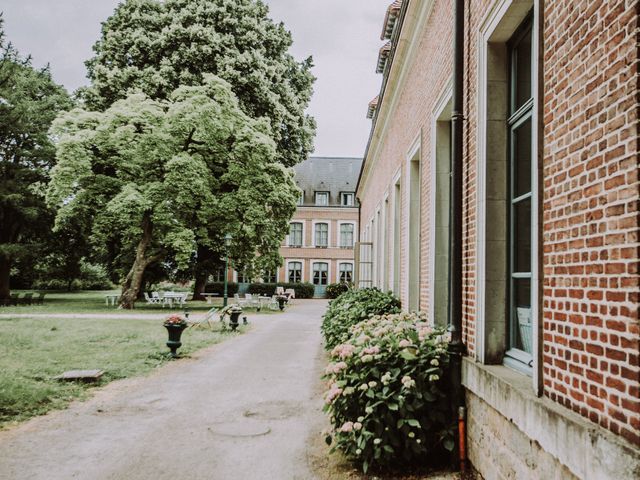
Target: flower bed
[352,307]
[386,393]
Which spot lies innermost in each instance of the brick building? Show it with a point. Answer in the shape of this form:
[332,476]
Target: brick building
[319,247]
[550,195]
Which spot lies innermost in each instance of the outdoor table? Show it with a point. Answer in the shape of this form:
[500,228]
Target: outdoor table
[111,299]
[170,297]
[209,296]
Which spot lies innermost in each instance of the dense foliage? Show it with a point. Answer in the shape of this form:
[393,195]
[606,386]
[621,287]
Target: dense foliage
[302,289]
[334,290]
[387,393]
[218,287]
[156,46]
[29,101]
[353,307]
[157,178]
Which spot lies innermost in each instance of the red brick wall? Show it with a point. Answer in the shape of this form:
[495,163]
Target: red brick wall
[589,194]
[590,211]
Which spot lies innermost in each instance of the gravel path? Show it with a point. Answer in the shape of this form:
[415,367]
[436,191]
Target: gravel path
[243,409]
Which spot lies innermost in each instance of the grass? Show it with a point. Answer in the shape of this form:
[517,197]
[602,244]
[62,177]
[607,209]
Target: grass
[93,301]
[34,350]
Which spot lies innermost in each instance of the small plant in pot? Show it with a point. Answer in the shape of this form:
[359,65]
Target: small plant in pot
[175,325]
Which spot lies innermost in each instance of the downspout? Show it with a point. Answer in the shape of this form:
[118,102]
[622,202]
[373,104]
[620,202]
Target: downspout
[456,347]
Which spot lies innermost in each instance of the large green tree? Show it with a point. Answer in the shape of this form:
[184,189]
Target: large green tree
[29,101]
[160,177]
[156,46]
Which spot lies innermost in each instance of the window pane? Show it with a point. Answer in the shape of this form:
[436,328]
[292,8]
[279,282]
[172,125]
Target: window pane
[295,234]
[322,198]
[346,235]
[295,272]
[522,236]
[522,330]
[522,159]
[522,71]
[320,273]
[322,234]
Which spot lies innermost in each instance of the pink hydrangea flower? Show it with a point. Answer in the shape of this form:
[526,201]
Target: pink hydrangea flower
[347,427]
[404,343]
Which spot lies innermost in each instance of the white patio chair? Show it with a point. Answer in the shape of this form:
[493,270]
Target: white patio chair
[279,290]
[148,299]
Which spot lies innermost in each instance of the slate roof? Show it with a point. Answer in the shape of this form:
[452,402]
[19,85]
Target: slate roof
[327,174]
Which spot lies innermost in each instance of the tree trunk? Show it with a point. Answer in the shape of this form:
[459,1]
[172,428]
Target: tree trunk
[133,281]
[5,269]
[205,256]
[200,285]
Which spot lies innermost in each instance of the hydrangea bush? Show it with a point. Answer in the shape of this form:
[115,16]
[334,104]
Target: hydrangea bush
[387,392]
[352,307]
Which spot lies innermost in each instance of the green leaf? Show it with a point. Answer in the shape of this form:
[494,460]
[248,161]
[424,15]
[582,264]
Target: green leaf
[413,422]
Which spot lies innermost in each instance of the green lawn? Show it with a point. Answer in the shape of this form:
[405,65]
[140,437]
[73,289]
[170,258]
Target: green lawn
[93,301]
[34,350]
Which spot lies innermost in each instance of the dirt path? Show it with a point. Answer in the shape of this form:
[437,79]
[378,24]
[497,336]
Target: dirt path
[243,409]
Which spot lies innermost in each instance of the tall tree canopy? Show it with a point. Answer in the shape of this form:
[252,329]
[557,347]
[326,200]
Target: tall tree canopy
[29,101]
[159,177]
[156,46]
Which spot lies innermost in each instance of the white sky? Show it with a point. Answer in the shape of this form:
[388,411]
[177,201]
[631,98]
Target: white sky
[343,36]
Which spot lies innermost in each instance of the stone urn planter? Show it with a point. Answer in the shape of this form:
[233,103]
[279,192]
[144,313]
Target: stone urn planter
[175,325]
[282,301]
[234,315]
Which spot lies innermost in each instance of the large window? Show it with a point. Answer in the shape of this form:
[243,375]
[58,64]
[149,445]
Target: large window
[346,235]
[520,195]
[347,199]
[295,234]
[295,272]
[320,273]
[218,275]
[270,276]
[322,199]
[322,235]
[346,272]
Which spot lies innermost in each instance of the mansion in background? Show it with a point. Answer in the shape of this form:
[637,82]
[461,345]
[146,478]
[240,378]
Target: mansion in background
[320,245]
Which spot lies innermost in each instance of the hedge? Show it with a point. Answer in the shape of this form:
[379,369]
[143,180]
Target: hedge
[334,290]
[218,287]
[303,290]
[353,307]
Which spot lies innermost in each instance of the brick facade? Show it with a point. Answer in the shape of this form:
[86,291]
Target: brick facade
[335,177]
[587,197]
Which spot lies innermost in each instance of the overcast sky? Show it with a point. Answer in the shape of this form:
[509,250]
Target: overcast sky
[343,36]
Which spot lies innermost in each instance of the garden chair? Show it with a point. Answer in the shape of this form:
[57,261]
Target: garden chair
[39,300]
[279,290]
[150,299]
[291,293]
[206,321]
[155,296]
[273,303]
[28,299]
[250,301]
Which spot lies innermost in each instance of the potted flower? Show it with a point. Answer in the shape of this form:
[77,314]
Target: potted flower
[174,324]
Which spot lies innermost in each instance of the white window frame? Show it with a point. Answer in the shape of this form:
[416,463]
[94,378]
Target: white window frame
[340,223]
[314,223]
[415,151]
[303,234]
[293,260]
[338,271]
[317,194]
[344,195]
[313,261]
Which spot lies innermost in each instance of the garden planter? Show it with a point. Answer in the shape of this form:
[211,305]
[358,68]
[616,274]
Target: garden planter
[234,317]
[175,333]
[282,301]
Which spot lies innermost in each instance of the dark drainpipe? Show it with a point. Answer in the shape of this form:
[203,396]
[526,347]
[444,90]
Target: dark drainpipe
[456,347]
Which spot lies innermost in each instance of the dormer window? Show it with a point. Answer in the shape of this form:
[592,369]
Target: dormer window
[347,199]
[301,198]
[322,199]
